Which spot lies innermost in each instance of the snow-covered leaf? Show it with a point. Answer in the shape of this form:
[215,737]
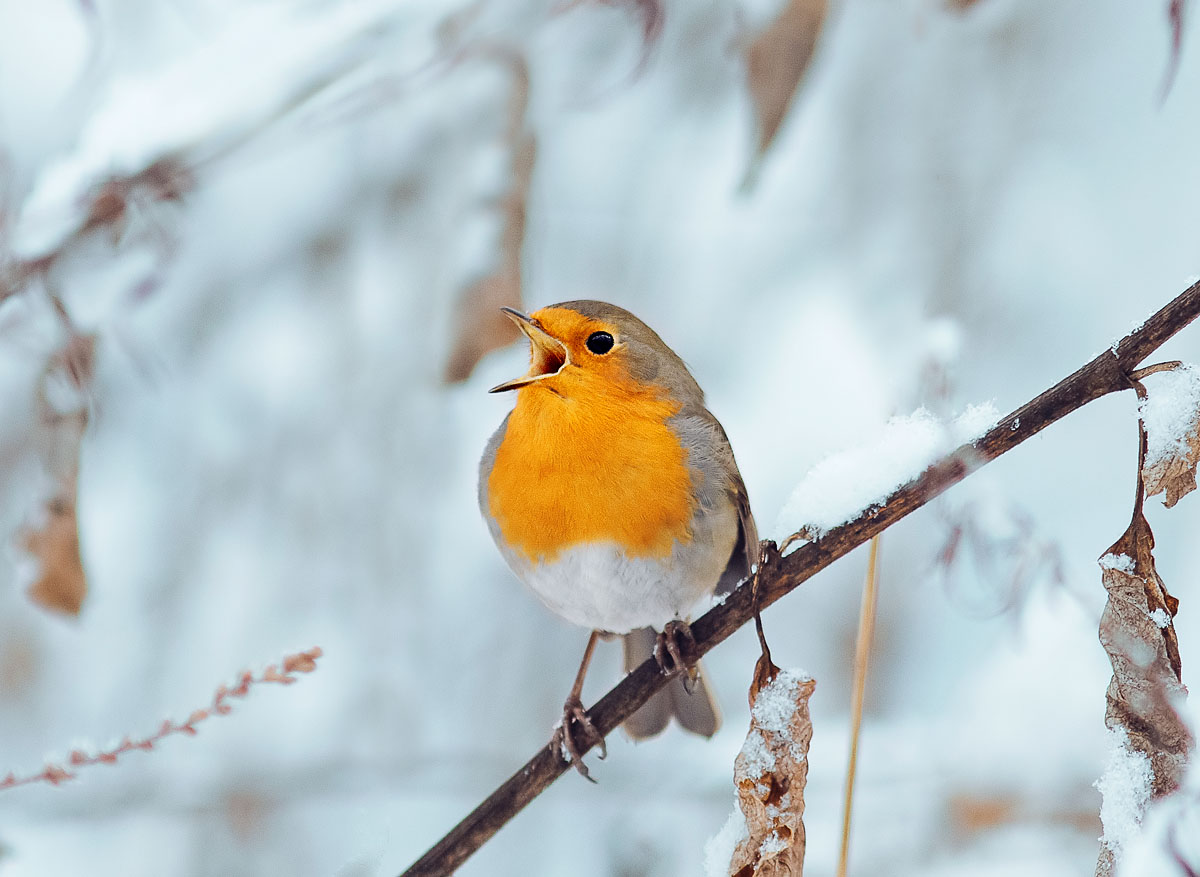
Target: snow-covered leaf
[1145,687]
[1171,415]
[770,774]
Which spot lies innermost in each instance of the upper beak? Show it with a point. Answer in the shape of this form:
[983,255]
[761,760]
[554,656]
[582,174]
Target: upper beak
[547,354]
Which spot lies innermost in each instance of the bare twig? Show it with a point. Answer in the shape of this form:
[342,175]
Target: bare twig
[1107,373]
[1140,373]
[52,773]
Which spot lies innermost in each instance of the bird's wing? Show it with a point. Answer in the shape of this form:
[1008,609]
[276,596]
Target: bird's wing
[745,548]
[709,451]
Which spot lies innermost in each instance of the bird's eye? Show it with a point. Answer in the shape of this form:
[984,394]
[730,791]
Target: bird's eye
[600,342]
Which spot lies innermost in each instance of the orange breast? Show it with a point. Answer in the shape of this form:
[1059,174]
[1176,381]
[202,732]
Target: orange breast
[590,468]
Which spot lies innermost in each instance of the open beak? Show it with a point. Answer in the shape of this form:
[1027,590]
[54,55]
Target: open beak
[548,354]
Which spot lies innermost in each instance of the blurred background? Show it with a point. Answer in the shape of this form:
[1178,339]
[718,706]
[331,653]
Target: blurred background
[250,260]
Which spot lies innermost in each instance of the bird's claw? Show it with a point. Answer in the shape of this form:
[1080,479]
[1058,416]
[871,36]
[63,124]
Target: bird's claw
[675,650]
[564,738]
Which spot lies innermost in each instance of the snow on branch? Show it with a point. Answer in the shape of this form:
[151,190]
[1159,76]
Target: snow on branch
[281,674]
[778,575]
[842,486]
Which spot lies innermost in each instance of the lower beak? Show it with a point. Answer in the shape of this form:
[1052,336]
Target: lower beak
[547,354]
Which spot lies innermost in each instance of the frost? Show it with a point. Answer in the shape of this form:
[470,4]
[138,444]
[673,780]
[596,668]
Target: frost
[1125,787]
[758,758]
[974,422]
[1160,617]
[1119,562]
[1169,413]
[838,488]
[1167,844]
[1171,417]
[1134,328]
[773,844]
[770,773]
[719,849]
[776,704]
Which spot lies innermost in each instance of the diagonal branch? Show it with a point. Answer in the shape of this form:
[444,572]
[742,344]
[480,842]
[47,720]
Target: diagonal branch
[1107,373]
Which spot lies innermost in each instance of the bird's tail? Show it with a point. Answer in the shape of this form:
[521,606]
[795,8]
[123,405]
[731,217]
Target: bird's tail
[695,711]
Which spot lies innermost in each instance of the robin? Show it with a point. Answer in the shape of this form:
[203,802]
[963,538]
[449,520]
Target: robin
[613,493]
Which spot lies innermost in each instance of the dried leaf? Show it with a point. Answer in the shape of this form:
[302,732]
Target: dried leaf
[1176,11]
[776,61]
[20,663]
[1137,632]
[60,584]
[770,774]
[1175,474]
[479,326]
[247,811]
[1171,416]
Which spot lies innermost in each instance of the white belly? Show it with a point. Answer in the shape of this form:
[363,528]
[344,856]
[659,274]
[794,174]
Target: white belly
[595,585]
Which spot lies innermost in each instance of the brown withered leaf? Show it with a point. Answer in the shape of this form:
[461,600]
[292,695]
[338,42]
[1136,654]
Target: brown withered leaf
[247,811]
[61,585]
[770,774]
[1138,633]
[52,541]
[479,325]
[20,663]
[776,61]
[1175,474]
[1176,11]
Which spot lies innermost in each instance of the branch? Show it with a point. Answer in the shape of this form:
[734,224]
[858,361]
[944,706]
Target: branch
[54,774]
[1107,373]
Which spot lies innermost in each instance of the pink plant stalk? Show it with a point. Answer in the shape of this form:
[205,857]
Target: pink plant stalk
[301,662]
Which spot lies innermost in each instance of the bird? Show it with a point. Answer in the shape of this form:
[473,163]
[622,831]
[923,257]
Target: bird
[612,492]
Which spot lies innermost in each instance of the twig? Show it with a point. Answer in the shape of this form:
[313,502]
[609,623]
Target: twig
[1140,373]
[862,652]
[1107,373]
[54,774]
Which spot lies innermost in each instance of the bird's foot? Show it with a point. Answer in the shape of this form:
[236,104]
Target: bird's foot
[574,722]
[675,650]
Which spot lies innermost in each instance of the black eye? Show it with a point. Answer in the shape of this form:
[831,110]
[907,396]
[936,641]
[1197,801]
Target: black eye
[600,342]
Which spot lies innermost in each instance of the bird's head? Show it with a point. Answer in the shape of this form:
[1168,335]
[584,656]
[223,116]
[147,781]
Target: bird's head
[582,347]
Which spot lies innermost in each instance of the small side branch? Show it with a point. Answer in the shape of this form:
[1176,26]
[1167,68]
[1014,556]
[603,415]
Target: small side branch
[283,674]
[1110,372]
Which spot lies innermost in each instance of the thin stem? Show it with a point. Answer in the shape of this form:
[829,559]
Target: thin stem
[862,654]
[1140,373]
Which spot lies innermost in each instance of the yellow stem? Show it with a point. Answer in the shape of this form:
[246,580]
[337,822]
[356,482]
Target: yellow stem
[862,652]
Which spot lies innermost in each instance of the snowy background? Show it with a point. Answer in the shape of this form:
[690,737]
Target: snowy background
[963,206]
